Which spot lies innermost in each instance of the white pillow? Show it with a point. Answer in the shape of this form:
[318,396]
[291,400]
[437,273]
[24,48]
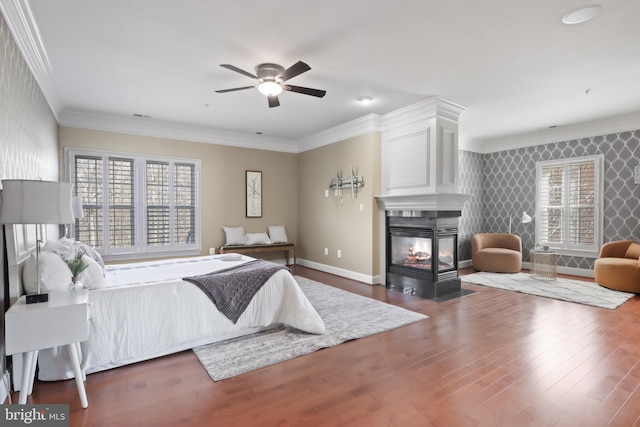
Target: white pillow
[258,239]
[277,234]
[64,251]
[69,248]
[54,274]
[234,235]
[92,277]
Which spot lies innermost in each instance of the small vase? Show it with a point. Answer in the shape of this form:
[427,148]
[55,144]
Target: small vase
[75,284]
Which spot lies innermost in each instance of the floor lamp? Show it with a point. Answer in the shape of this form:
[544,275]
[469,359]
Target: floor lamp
[36,202]
[525,219]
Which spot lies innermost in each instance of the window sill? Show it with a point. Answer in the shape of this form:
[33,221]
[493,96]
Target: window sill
[151,255]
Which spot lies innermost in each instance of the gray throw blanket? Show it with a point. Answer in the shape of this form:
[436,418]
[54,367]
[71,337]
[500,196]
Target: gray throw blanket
[232,289]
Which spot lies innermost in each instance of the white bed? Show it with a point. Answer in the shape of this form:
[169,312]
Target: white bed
[146,310]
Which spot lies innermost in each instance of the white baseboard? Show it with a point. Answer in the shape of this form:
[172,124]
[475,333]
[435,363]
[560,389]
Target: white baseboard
[527,266]
[566,270]
[464,264]
[370,280]
[375,280]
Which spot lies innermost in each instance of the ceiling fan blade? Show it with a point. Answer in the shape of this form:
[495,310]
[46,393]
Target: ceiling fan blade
[273,101]
[234,89]
[295,70]
[305,90]
[238,70]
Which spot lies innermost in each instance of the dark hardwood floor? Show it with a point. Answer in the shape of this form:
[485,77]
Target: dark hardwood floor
[493,358]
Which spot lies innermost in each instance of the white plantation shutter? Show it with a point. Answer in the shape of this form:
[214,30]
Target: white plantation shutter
[121,203]
[88,179]
[582,203]
[158,190]
[152,203]
[185,202]
[551,197]
[569,204]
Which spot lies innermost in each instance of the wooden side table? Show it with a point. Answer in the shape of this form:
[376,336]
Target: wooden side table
[544,264]
[63,320]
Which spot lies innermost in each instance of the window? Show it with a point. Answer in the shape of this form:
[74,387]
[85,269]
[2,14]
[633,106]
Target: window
[136,205]
[569,205]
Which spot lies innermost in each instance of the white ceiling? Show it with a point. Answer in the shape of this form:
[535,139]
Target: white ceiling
[513,64]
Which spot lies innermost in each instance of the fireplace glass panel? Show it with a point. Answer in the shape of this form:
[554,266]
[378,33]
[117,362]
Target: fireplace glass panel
[411,251]
[447,254]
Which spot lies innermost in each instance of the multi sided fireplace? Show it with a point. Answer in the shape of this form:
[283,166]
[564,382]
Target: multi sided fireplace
[422,253]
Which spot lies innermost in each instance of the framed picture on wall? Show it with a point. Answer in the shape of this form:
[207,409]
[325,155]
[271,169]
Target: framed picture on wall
[254,194]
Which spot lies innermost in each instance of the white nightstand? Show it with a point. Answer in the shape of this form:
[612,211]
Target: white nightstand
[63,320]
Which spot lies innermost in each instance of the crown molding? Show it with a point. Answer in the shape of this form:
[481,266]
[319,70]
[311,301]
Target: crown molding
[597,127]
[470,144]
[170,130]
[25,31]
[431,107]
[361,126]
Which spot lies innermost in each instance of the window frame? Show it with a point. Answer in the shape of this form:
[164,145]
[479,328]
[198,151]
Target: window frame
[567,248]
[141,249]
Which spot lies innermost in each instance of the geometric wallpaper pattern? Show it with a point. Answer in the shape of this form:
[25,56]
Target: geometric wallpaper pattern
[470,181]
[506,186]
[28,133]
[28,127]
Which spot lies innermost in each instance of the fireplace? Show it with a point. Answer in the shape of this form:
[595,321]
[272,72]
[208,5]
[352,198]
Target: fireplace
[422,253]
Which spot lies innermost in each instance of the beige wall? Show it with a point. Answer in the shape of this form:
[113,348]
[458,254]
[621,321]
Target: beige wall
[324,222]
[223,178]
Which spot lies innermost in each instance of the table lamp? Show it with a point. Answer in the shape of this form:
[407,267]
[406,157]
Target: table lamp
[36,202]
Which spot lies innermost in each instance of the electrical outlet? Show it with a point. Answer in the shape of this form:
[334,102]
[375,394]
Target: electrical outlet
[637,174]
[361,207]
[339,253]
[326,251]
[326,193]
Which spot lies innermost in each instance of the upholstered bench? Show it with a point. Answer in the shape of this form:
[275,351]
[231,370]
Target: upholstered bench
[290,248]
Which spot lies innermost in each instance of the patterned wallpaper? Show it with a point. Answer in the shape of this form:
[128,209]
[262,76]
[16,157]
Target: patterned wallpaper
[470,169]
[28,127]
[28,132]
[503,183]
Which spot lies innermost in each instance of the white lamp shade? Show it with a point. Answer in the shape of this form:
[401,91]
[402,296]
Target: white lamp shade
[526,219]
[36,202]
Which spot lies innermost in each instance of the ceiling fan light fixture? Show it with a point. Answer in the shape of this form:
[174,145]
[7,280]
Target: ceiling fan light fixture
[270,88]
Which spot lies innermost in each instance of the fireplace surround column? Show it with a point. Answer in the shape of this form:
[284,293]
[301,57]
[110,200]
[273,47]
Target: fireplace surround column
[420,175]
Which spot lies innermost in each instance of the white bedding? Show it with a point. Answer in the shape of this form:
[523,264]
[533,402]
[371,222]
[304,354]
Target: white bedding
[147,311]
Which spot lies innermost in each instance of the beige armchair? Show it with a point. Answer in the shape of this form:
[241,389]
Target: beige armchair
[496,252]
[619,266]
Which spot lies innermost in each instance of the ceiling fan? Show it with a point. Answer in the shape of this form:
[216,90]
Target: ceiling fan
[271,78]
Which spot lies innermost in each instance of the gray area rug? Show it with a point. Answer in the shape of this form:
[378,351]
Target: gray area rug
[563,289]
[347,316]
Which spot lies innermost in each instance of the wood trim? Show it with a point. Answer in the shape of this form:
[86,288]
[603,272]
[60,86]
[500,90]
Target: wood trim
[290,248]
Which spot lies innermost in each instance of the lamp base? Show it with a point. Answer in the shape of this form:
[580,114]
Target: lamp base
[33,298]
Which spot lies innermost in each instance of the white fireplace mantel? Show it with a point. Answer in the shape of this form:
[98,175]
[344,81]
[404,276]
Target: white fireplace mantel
[423,202]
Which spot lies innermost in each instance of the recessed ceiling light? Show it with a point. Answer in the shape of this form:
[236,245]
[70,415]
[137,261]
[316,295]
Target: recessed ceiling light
[365,100]
[581,14]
